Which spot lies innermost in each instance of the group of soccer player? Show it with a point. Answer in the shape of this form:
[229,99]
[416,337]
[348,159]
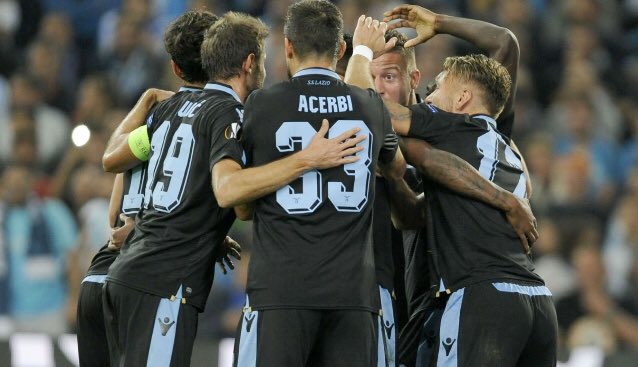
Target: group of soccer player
[321,280]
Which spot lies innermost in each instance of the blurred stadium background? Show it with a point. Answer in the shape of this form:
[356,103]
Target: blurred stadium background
[65,63]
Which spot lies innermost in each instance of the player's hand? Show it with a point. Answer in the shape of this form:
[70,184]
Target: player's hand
[228,248]
[522,219]
[371,33]
[412,16]
[119,234]
[322,153]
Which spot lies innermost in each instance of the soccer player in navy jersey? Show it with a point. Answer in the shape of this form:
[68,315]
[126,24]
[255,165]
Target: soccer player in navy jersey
[498,311]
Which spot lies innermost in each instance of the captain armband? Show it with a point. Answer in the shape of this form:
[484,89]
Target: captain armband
[139,143]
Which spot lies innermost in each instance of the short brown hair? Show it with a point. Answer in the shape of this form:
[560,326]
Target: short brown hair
[229,41]
[487,73]
[314,27]
[406,53]
[183,40]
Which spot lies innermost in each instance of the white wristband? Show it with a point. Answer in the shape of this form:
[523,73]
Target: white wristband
[364,51]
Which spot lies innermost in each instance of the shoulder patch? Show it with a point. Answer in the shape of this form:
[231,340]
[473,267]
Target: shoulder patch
[432,108]
[233,131]
[149,120]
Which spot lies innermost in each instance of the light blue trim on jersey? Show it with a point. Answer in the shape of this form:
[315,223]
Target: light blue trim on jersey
[222,88]
[189,89]
[164,331]
[487,119]
[387,345]
[95,278]
[540,290]
[441,285]
[449,332]
[316,71]
[248,340]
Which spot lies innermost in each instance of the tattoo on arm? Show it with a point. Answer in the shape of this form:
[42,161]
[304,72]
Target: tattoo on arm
[459,176]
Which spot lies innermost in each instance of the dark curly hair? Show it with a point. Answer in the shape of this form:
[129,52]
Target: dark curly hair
[183,40]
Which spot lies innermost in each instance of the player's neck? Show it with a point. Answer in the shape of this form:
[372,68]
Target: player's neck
[238,85]
[194,85]
[312,63]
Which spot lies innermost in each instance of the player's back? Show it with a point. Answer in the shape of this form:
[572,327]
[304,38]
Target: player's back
[313,245]
[472,241]
[181,223]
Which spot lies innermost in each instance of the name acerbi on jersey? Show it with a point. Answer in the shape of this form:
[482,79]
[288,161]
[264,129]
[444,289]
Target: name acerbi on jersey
[315,104]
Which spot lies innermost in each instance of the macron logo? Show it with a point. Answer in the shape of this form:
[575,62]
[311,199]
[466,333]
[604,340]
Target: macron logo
[165,326]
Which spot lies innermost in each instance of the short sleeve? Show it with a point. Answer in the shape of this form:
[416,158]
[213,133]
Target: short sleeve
[430,124]
[224,135]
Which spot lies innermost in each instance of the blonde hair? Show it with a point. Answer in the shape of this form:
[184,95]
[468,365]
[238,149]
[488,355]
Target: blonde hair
[487,73]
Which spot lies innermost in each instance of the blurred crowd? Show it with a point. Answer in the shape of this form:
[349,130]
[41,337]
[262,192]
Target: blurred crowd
[69,62]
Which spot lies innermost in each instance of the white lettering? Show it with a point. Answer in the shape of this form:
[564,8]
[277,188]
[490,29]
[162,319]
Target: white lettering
[332,105]
[313,109]
[188,109]
[303,103]
[343,104]
[322,105]
[316,104]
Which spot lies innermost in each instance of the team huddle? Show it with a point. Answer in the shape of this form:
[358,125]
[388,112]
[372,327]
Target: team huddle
[337,167]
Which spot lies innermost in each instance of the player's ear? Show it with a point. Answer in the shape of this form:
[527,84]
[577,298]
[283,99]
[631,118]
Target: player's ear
[288,47]
[463,99]
[176,70]
[342,49]
[415,78]
[249,63]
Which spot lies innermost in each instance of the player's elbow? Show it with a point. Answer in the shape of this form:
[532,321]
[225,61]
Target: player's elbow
[224,195]
[109,163]
[509,45]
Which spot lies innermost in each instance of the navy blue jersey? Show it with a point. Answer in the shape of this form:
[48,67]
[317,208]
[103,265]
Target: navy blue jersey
[181,225]
[472,241]
[313,238]
[134,181]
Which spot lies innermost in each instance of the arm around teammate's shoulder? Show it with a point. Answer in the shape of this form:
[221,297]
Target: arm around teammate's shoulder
[124,151]
[235,186]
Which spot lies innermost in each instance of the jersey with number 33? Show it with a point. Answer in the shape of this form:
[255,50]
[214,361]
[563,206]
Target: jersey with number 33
[312,238]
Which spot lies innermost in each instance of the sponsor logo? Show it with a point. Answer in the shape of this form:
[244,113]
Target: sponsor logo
[249,321]
[447,344]
[165,325]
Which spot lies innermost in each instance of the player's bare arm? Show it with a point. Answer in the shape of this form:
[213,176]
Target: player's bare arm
[118,155]
[235,186]
[459,176]
[406,206]
[118,233]
[499,43]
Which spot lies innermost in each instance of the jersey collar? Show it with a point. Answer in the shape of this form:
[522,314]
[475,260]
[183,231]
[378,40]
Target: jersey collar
[222,88]
[316,71]
[189,89]
[488,119]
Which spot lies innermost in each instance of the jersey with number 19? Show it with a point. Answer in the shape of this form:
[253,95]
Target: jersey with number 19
[313,237]
[181,224]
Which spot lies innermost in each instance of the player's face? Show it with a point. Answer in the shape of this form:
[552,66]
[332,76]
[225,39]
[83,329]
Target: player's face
[391,78]
[257,80]
[442,96]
